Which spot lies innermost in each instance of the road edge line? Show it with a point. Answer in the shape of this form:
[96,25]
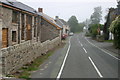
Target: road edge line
[63,64]
[102,49]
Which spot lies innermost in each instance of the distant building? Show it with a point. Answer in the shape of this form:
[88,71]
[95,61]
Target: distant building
[65,26]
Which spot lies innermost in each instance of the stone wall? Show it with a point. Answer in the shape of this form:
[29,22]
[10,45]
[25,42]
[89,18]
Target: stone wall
[48,31]
[0,63]
[0,41]
[14,57]
[0,33]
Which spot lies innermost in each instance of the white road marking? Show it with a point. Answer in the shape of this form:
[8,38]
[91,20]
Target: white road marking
[46,67]
[85,50]
[50,62]
[41,69]
[81,44]
[63,64]
[102,50]
[95,67]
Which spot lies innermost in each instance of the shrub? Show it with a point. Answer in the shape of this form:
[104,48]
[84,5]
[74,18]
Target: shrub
[93,29]
[115,29]
[100,38]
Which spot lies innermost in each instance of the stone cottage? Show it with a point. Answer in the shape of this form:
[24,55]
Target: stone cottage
[54,28]
[110,17]
[112,14]
[65,26]
[25,34]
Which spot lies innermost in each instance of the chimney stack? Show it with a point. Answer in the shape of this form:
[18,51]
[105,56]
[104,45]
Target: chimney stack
[40,9]
[57,17]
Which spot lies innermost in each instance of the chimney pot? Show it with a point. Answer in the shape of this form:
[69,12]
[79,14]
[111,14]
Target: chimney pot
[40,9]
[57,17]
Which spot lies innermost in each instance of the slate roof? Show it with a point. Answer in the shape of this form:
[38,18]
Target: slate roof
[59,22]
[64,22]
[24,7]
[19,5]
[49,18]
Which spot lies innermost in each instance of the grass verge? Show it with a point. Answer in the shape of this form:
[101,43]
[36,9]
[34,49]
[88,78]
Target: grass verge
[110,41]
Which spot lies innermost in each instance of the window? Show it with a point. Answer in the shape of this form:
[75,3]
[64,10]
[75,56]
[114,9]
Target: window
[35,27]
[13,36]
[29,27]
[23,28]
[15,17]
[29,20]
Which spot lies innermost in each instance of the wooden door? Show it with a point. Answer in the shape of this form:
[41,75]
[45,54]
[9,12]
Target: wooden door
[4,37]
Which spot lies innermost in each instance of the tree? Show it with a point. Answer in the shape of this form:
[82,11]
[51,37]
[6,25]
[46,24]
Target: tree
[73,23]
[93,29]
[96,17]
[81,26]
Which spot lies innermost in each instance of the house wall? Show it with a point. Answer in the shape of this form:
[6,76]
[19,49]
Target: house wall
[48,31]
[38,28]
[118,8]
[6,15]
[0,42]
[111,16]
[0,26]
[66,29]
[0,32]
[0,47]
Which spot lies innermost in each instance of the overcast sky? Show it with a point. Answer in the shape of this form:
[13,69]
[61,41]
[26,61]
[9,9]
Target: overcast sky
[82,9]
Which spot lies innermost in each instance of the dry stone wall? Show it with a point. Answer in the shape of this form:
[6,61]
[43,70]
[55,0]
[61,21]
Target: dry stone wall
[14,57]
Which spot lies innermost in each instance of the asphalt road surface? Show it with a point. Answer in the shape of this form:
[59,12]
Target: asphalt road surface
[79,59]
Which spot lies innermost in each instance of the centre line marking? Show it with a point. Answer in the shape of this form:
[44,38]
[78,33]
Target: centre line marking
[63,64]
[85,50]
[95,67]
[81,44]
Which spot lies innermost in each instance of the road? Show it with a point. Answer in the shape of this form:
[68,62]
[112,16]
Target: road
[79,59]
